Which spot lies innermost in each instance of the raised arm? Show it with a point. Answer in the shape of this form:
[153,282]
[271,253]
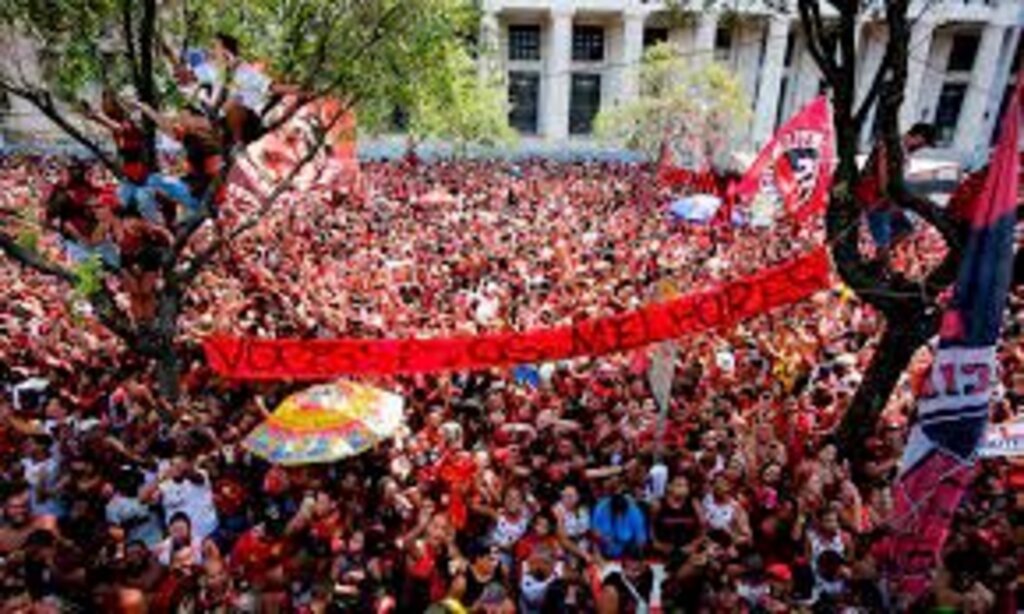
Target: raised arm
[165,123]
[97,116]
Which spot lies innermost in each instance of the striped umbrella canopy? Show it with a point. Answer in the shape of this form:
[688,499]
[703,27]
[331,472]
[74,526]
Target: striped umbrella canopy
[327,423]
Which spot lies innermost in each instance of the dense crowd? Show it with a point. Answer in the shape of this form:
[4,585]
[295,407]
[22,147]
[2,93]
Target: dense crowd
[504,493]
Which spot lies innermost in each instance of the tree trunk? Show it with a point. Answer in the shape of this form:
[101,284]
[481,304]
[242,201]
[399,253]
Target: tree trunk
[168,363]
[168,374]
[146,83]
[902,337]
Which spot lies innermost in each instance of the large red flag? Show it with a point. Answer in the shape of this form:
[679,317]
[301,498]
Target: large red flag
[793,172]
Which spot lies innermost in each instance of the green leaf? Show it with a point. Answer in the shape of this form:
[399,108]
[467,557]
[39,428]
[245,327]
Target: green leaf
[700,109]
[88,277]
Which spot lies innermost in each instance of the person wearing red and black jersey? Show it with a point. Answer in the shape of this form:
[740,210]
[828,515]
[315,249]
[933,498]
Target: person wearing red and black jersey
[80,212]
[203,144]
[154,195]
[142,245]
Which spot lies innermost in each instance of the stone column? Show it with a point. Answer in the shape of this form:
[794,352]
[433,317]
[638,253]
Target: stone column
[804,79]
[980,102]
[1002,78]
[489,61]
[632,54]
[557,78]
[918,53]
[748,53]
[872,51]
[771,80]
[704,38]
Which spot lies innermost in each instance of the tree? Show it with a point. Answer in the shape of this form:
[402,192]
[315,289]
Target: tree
[910,306]
[361,53]
[457,105]
[697,108]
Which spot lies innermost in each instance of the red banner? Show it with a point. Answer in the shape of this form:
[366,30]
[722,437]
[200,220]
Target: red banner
[272,159]
[702,182]
[671,176]
[716,307]
[793,172]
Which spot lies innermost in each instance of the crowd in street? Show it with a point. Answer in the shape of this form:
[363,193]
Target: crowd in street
[503,493]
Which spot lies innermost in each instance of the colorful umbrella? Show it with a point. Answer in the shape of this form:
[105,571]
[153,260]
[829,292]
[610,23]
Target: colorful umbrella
[326,423]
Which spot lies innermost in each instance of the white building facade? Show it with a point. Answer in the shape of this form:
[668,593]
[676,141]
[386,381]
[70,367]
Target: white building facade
[564,60]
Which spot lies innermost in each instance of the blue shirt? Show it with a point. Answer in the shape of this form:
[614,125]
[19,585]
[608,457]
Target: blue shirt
[619,535]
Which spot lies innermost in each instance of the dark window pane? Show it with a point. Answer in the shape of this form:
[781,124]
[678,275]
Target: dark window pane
[961,56]
[584,103]
[723,44]
[588,43]
[399,119]
[523,96]
[524,42]
[951,99]
[655,36]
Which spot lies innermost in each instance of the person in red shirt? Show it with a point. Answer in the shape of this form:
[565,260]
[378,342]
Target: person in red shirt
[79,212]
[203,144]
[142,246]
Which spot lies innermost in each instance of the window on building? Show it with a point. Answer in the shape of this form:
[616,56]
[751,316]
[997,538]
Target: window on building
[655,36]
[961,56]
[947,114]
[584,102]
[587,43]
[523,99]
[723,44]
[399,119]
[524,42]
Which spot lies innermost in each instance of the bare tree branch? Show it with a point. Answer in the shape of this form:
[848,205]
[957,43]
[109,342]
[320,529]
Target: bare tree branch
[266,202]
[128,28]
[875,89]
[43,102]
[814,30]
[103,303]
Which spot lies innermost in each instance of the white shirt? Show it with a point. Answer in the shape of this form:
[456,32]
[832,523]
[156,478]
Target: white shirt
[163,551]
[718,516]
[250,87]
[42,475]
[122,510]
[576,524]
[506,533]
[194,500]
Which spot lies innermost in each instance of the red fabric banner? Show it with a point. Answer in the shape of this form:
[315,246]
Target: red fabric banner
[671,176]
[271,159]
[794,169]
[703,182]
[716,307]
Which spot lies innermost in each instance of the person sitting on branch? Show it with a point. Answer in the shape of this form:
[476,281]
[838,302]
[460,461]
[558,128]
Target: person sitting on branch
[886,221]
[203,159]
[79,211]
[142,246]
[155,195]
